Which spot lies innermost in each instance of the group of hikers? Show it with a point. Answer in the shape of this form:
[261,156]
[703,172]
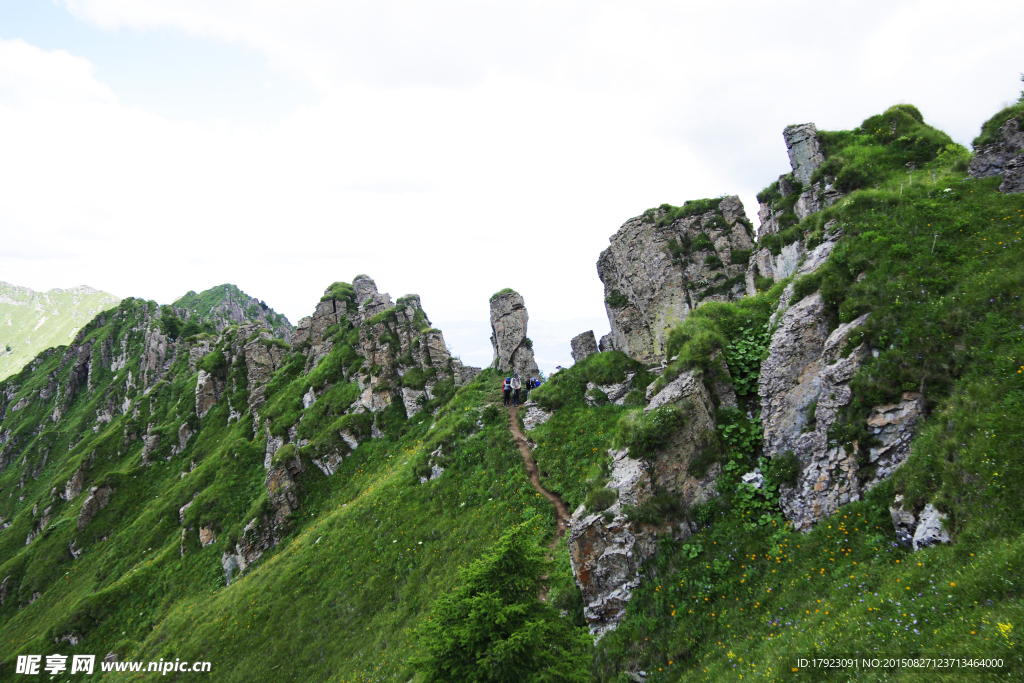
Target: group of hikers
[512,386]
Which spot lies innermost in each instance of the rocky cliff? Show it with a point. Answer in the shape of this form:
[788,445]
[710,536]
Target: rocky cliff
[663,264]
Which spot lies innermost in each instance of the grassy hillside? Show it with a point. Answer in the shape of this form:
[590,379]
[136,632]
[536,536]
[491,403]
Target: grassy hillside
[32,321]
[362,559]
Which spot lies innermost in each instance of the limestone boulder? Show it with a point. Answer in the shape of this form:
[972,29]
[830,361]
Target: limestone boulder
[930,528]
[583,345]
[606,550]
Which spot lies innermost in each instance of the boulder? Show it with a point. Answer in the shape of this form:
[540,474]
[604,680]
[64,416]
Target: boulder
[606,343]
[583,345]
[206,536]
[512,350]
[903,520]
[929,528]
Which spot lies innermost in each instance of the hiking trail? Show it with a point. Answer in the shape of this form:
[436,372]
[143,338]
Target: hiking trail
[561,512]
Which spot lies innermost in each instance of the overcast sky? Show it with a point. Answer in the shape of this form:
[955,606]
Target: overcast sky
[150,147]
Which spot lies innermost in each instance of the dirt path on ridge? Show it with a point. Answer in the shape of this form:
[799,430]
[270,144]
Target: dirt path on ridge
[561,512]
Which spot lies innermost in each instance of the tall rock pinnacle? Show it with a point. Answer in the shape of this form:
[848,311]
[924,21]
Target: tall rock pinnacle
[512,350]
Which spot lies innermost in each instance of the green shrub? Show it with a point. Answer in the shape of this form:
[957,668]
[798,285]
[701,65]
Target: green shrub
[503,292]
[644,435]
[616,299]
[739,257]
[701,242]
[601,499]
[482,629]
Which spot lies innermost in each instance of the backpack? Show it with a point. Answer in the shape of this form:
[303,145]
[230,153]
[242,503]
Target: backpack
[508,384]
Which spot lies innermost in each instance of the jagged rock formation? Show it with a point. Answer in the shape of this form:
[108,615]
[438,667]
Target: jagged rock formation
[804,384]
[607,549]
[513,350]
[227,305]
[659,268]
[583,345]
[1003,157]
[788,201]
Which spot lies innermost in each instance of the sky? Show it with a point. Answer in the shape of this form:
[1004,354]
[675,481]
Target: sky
[446,148]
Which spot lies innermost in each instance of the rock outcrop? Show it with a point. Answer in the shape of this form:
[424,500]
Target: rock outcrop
[583,345]
[99,498]
[606,548]
[513,351]
[789,200]
[208,390]
[804,384]
[1003,157]
[918,529]
[655,271]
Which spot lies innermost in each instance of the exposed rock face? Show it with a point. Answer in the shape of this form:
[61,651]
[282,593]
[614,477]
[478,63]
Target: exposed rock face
[98,499]
[463,374]
[606,549]
[74,485]
[262,358]
[804,384]
[208,390]
[583,345]
[614,393]
[535,416]
[606,343]
[206,536]
[1013,176]
[606,556]
[996,158]
[512,351]
[654,273]
[672,465]
[804,150]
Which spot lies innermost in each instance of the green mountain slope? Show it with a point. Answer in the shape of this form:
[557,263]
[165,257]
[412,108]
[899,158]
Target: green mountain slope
[32,321]
[295,511]
[226,305]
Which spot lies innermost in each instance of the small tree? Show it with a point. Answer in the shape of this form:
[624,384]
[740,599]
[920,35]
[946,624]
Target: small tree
[493,627]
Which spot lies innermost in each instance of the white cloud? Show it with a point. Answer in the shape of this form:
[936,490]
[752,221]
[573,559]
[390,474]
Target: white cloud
[459,147]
